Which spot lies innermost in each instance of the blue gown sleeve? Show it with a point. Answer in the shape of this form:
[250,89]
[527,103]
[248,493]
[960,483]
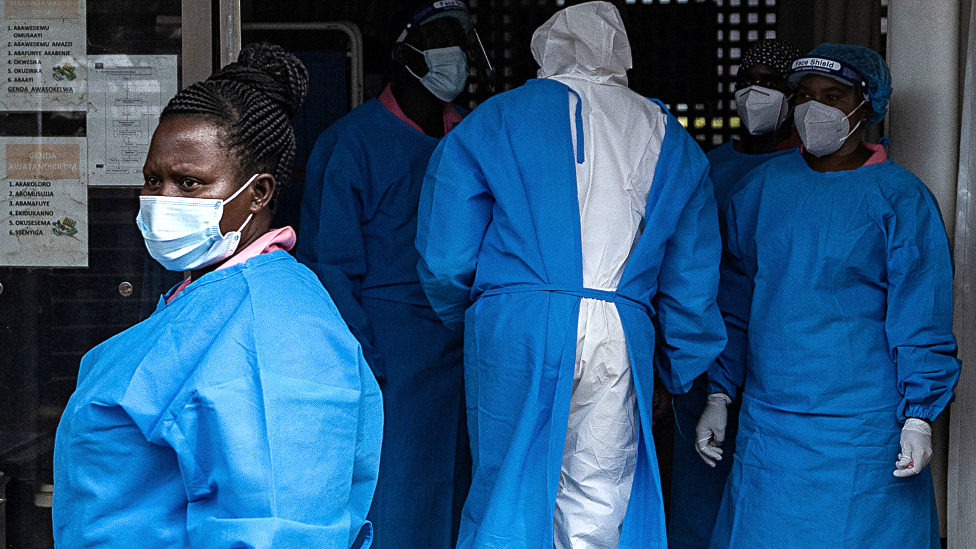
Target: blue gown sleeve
[728,372]
[455,211]
[918,322]
[688,322]
[330,238]
[369,440]
[266,462]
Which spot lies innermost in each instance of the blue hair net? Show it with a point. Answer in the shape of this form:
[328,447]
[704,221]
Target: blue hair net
[871,66]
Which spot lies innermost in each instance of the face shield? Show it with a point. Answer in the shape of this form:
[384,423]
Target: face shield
[479,59]
[472,45]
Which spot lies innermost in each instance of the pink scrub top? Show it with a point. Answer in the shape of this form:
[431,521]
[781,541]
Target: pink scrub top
[451,116]
[879,155]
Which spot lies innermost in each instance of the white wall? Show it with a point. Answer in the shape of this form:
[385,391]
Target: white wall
[931,45]
[923,124]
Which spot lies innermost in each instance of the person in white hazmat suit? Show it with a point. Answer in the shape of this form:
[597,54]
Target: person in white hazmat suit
[532,222]
[612,185]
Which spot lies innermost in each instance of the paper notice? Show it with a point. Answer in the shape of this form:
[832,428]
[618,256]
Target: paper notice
[44,214]
[42,9]
[126,95]
[43,43]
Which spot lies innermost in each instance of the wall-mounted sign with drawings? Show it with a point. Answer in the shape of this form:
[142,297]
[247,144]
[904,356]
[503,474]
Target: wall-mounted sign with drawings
[43,50]
[44,208]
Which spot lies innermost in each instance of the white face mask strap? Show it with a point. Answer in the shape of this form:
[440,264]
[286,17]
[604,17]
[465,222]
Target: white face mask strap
[411,72]
[239,191]
[852,131]
[411,46]
[246,221]
[856,126]
[854,111]
[407,66]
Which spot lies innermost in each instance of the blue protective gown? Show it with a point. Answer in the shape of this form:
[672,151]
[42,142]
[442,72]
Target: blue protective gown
[500,227]
[696,488]
[358,225]
[843,282]
[241,414]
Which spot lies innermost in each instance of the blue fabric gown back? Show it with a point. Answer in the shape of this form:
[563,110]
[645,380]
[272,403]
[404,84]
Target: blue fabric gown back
[499,225]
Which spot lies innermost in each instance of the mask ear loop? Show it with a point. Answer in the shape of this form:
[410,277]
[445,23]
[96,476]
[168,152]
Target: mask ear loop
[239,191]
[406,66]
[858,125]
[246,221]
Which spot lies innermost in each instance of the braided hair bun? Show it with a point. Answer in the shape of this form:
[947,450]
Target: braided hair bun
[271,70]
[252,101]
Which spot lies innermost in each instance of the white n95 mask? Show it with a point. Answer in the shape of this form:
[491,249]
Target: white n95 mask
[447,71]
[183,234]
[822,128]
[762,110]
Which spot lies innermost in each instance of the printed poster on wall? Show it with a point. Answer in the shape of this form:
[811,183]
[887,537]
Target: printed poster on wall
[126,93]
[43,44]
[44,214]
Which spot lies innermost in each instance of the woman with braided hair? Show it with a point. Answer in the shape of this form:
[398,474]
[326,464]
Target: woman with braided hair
[241,413]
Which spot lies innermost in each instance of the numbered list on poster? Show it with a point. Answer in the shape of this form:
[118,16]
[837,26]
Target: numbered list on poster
[45,213]
[44,46]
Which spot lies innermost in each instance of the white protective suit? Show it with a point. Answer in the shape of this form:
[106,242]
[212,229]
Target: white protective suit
[586,48]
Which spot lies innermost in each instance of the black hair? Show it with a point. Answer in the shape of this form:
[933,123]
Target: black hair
[252,101]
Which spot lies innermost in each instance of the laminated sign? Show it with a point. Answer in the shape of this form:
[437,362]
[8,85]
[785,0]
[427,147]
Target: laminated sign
[43,45]
[126,94]
[44,218]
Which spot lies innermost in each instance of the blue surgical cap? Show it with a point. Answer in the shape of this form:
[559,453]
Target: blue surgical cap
[874,72]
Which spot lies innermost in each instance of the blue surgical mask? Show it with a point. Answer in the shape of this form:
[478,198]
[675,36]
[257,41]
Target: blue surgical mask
[183,234]
[447,71]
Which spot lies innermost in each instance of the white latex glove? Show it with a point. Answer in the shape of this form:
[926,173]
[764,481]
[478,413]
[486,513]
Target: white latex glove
[710,432]
[916,448]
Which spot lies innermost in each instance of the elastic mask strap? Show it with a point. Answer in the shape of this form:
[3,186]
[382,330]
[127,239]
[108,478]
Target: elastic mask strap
[407,66]
[239,191]
[852,131]
[854,111]
[858,125]
[411,46]
[246,221]
[412,73]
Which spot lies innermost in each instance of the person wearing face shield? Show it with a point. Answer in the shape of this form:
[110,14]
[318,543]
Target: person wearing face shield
[763,101]
[358,225]
[837,295]
[243,398]
[570,227]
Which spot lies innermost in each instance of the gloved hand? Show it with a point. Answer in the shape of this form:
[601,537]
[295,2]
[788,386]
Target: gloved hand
[916,448]
[710,432]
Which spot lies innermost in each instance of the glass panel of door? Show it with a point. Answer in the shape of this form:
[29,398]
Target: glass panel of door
[84,85]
